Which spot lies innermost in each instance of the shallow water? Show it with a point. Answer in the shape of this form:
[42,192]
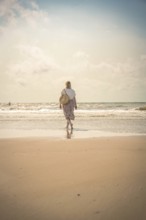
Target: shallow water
[99,118]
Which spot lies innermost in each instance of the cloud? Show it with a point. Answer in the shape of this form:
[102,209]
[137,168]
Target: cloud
[23,60]
[143,57]
[41,52]
[6,7]
[81,54]
[112,77]
[33,65]
[14,13]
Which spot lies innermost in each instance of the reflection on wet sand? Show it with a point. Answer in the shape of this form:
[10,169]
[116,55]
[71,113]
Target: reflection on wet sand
[69,133]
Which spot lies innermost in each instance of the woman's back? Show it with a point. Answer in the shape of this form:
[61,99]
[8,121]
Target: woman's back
[70,92]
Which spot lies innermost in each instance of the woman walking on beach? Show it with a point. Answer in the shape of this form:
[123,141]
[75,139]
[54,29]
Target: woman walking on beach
[71,104]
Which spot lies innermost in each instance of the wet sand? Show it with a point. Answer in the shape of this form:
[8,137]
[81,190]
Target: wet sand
[50,179]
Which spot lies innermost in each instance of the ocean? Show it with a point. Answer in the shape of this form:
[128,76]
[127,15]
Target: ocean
[98,118]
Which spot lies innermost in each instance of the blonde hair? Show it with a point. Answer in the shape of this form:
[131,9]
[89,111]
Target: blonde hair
[68,84]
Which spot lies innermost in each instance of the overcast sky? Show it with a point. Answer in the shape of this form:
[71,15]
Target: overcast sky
[99,45]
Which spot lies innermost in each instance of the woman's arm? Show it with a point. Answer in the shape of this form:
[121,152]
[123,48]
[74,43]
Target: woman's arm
[75,102]
[60,106]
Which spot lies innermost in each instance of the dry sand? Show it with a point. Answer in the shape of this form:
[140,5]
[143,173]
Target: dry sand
[50,179]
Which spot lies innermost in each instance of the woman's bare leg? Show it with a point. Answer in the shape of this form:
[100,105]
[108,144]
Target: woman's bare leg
[68,122]
[71,124]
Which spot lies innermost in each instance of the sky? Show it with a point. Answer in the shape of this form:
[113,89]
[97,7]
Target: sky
[98,45]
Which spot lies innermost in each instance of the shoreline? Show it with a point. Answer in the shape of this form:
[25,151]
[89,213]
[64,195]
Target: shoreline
[61,134]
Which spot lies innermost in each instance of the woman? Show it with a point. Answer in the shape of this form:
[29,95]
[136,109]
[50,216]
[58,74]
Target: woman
[68,108]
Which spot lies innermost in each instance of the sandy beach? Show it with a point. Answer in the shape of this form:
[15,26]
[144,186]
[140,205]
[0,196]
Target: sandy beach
[51,179]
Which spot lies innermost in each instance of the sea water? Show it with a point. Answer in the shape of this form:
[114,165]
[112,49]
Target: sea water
[96,118]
